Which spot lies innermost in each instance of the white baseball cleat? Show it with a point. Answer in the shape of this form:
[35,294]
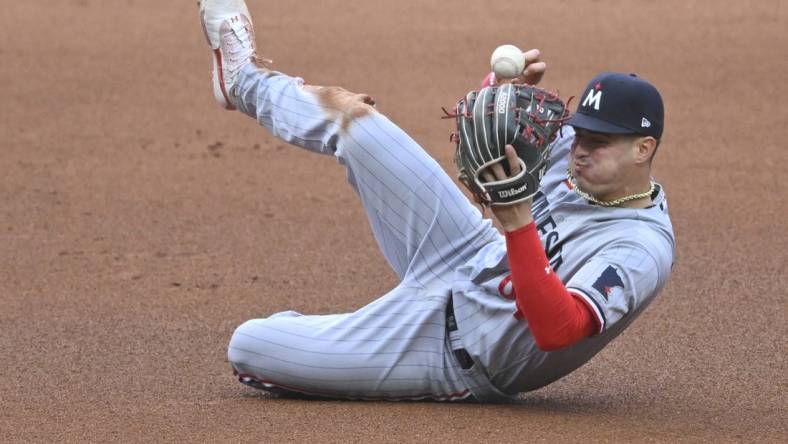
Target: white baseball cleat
[228,28]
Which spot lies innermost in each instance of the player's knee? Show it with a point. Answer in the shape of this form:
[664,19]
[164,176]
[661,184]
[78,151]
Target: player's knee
[253,342]
[343,105]
[240,345]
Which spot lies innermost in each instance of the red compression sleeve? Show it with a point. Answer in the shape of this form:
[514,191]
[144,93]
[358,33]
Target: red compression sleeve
[556,317]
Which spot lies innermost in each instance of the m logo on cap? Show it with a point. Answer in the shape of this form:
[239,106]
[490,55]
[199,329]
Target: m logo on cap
[594,97]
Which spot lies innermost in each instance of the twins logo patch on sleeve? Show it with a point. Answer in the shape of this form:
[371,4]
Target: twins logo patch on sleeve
[607,281]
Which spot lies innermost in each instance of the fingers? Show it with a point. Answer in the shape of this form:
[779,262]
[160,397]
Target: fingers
[512,159]
[531,75]
[495,172]
[499,172]
[534,67]
[534,72]
[531,56]
[537,68]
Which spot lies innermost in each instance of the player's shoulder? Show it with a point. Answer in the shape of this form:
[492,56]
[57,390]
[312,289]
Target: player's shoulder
[643,241]
[655,226]
[645,232]
[646,242]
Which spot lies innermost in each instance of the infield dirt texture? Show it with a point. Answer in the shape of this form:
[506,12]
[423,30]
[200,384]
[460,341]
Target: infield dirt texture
[140,223]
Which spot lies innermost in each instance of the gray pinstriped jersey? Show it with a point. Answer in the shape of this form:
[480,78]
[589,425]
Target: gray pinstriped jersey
[617,259]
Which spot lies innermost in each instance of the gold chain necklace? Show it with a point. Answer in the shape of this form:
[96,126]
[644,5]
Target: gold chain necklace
[608,203]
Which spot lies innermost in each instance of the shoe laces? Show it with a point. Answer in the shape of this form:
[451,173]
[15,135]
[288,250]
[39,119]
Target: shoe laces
[237,46]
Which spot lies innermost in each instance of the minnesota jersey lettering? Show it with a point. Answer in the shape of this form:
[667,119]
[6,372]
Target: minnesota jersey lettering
[548,229]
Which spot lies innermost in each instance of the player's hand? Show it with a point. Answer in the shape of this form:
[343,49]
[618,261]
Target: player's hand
[534,67]
[532,74]
[516,215]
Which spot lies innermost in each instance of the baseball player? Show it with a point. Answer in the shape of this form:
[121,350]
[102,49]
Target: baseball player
[477,315]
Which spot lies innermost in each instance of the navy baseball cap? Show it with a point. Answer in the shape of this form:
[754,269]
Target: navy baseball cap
[618,103]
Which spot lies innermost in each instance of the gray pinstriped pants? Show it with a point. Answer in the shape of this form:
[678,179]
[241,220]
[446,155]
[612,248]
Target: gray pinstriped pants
[396,347]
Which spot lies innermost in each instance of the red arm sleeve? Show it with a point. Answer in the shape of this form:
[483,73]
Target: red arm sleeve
[556,318]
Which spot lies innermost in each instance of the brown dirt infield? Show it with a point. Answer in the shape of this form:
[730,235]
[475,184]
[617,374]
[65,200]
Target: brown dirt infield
[139,223]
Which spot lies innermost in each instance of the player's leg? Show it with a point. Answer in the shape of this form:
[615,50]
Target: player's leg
[423,223]
[394,348]
[411,202]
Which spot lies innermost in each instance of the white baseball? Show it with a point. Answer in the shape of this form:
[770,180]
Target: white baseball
[507,62]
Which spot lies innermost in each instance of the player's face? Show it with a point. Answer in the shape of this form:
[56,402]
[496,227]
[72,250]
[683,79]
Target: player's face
[604,164]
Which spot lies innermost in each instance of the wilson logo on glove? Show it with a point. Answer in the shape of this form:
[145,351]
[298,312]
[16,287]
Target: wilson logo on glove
[512,191]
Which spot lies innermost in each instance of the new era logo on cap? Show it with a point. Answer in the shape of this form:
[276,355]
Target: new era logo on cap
[645,123]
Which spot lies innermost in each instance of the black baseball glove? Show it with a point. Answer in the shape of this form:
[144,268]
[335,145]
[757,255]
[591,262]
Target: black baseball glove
[523,116]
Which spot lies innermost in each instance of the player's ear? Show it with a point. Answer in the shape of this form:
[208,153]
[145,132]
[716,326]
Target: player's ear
[645,148]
